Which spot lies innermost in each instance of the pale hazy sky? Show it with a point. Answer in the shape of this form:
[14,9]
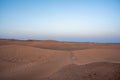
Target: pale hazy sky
[64,20]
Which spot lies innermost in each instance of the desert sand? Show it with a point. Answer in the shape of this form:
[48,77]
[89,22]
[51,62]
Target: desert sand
[54,60]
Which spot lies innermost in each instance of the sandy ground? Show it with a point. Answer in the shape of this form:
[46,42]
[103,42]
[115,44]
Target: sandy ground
[53,60]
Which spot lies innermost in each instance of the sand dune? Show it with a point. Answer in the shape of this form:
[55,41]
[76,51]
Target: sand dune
[97,55]
[56,45]
[94,71]
[53,60]
[23,59]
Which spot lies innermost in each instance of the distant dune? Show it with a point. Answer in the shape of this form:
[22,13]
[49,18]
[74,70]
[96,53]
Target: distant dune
[54,60]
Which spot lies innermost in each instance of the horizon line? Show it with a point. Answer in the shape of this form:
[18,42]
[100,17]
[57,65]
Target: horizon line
[52,40]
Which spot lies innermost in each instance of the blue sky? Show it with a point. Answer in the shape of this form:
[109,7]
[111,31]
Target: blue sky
[64,20]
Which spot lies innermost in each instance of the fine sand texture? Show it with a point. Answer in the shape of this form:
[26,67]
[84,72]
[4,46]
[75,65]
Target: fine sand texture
[54,60]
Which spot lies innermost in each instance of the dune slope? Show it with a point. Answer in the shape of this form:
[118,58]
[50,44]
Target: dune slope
[94,71]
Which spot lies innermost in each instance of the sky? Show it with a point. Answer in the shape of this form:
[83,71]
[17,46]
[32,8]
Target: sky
[62,20]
